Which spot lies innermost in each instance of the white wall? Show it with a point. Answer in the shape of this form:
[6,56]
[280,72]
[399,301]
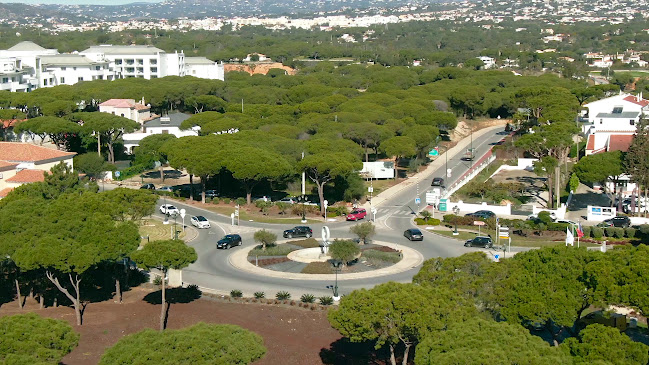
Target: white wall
[378,169]
[598,214]
[470,208]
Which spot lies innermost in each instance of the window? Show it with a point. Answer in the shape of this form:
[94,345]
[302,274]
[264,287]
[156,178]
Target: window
[79,79]
[5,79]
[632,122]
[118,62]
[97,68]
[100,77]
[617,110]
[63,68]
[130,62]
[165,131]
[122,114]
[63,80]
[601,121]
[140,69]
[153,62]
[154,69]
[45,82]
[140,62]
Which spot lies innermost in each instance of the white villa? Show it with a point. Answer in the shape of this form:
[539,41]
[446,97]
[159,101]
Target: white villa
[168,124]
[612,122]
[27,66]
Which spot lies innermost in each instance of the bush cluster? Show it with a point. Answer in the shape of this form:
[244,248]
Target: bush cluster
[429,221]
[337,211]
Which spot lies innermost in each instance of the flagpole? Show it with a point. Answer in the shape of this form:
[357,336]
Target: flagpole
[577,239]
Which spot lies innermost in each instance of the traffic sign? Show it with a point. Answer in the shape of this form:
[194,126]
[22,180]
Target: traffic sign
[434,152]
[479,223]
[448,172]
[117,173]
[236,211]
[370,189]
[374,210]
[182,213]
[417,201]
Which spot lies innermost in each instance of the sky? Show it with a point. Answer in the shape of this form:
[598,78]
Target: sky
[80,2]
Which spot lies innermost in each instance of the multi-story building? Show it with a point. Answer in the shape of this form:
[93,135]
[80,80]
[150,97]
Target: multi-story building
[27,66]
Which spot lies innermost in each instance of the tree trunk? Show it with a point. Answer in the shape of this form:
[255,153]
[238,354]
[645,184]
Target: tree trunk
[20,301]
[191,187]
[41,301]
[393,361]
[118,291]
[405,355]
[203,183]
[76,302]
[550,196]
[162,173]
[557,177]
[163,310]
[111,153]
[321,197]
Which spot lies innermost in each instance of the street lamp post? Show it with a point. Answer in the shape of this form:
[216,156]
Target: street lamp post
[302,199]
[336,264]
[456,211]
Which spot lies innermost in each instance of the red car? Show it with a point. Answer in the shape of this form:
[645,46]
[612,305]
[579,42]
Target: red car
[356,214]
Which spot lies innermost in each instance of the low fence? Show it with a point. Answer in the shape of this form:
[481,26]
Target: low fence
[471,173]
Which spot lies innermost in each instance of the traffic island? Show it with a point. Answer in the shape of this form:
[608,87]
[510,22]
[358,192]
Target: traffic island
[292,260]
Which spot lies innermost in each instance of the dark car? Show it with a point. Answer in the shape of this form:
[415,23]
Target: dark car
[621,221]
[299,231]
[148,187]
[228,241]
[211,194]
[480,241]
[481,214]
[438,181]
[413,234]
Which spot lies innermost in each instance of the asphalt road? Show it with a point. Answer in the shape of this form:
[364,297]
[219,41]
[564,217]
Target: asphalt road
[212,269]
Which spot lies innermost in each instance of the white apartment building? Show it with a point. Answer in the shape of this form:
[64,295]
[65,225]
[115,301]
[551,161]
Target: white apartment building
[27,66]
[127,108]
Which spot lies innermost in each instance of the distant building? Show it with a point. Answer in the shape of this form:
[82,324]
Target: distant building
[27,66]
[168,124]
[127,108]
[489,62]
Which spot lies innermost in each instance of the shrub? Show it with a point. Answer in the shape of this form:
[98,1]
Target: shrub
[260,294]
[283,295]
[392,257]
[586,230]
[241,201]
[363,230]
[236,293]
[425,214]
[344,250]
[272,250]
[226,200]
[326,300]
[541,226]
[434,222]
[459,220]
[307,298]
[618,232]
[644,229]
[420,221]
[610,231]
[337,211]
[216,200]
[560,227]
[545,217]
[630,232]
[596,233]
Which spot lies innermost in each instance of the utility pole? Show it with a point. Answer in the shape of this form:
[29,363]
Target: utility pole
[241,106]
[303,179]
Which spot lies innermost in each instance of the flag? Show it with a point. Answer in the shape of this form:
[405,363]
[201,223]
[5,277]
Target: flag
[580,231]
[570,238]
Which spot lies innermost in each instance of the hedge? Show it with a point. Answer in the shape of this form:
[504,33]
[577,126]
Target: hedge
[429,221]
[630,232]
[597,233]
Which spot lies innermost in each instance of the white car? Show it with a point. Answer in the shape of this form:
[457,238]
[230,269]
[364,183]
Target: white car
[168,189]
[169,209]
[200,222]
[533,217]
[288,200]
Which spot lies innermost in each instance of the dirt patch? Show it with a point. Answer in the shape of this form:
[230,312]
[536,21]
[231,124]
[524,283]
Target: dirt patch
[292,335]
[268,262]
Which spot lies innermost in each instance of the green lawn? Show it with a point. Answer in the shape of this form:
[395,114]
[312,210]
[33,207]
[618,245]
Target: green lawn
[156,230]
[245,216]
[516,240]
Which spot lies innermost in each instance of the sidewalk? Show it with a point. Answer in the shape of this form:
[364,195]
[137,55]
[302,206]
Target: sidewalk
[423,175]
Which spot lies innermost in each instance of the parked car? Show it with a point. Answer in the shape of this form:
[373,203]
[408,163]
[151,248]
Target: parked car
[228,241]
[438,181]
[169,209]
[288,200]
[479,241]
[200,222]
[566,221]
[148,187]
[299,231]
[262,198]
[619,221]
[168,189]
[211,194]
[481,214]
[356,214]
[413,234]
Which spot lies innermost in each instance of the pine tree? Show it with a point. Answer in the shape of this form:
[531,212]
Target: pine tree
[637,160]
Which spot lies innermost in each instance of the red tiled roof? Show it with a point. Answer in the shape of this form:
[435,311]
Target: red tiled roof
[619,142]
[590,145]
[5,191]
[6,123]
[24,152]
[124,103]
[4,165]
[634,100]
[27,176]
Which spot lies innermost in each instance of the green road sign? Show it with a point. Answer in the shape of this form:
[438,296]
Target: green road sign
[434,152]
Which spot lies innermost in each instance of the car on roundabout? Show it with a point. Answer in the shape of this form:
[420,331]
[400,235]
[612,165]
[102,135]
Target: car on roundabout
[413,234]
[169,209]
[299,231]
[479,241]
[200,222]
[481,214]
[228,241]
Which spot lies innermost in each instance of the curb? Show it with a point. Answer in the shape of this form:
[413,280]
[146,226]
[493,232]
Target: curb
[411,259]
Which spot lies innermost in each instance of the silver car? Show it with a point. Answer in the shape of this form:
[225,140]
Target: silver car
[200,222]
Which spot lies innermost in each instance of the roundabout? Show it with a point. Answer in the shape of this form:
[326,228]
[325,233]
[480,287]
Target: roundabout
[410,259]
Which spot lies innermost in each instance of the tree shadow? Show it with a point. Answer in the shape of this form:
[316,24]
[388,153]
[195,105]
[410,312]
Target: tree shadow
[344,352]
[174,295]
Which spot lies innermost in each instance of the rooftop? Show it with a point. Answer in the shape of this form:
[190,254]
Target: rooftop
[27,152]
[5,191]
[68,60]
[198,61]
[637,100]
[26,46]
[27,176]
[170,120]
[124,50]
[619,142]
[623,115]
[124,103]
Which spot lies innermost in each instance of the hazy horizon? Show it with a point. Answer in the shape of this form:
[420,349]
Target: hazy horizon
[81,2]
